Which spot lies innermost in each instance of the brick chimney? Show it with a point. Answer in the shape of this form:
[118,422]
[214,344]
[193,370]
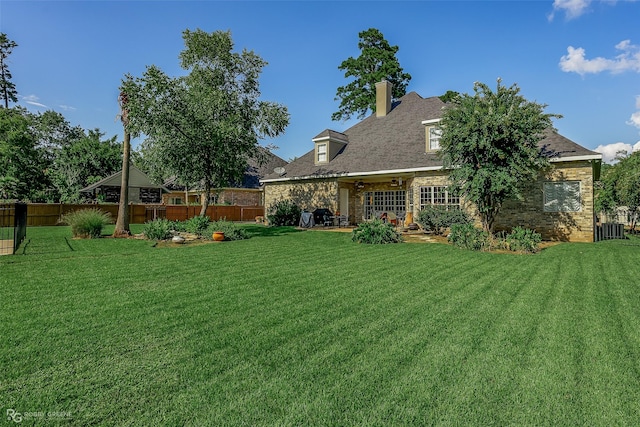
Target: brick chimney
[383,98]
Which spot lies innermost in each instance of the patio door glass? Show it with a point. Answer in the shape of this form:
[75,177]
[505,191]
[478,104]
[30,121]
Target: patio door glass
[376,202]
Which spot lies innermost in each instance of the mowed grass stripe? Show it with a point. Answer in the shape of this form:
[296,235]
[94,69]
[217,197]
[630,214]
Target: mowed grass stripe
[309,328]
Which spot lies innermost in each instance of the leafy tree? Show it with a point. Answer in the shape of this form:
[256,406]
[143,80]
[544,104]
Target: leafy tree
[21,167]
[82,162]
[490,141]
[7,88]
[205,126]
[53,132]
[621,187]
[377,62]
[448,96]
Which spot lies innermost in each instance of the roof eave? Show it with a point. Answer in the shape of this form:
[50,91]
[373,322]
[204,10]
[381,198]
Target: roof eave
[576,158]
[354,174]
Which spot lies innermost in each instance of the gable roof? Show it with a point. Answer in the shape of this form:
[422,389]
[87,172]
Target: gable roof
[256,171]
[396,143]
[137,178]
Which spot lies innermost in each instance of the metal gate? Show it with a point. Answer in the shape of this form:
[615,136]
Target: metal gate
[13,226]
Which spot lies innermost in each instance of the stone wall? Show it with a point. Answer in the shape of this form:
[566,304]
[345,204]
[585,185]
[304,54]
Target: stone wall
[563,226]
[528,213]
[308,195]
[240,197]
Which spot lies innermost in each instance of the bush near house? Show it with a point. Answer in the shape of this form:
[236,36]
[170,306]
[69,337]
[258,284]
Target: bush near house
[466,236]
[523,240]
[284,212]
[375,232]
[87,223]
[438,218]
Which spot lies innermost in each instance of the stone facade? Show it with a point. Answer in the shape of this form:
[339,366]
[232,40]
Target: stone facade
[564,226]
[528,212]
[309,195]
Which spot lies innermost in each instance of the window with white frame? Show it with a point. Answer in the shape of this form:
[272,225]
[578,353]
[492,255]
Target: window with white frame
[562,196]
[322,153]
[377,202]
[439,196]
[434,138]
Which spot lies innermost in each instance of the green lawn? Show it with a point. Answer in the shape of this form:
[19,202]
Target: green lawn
[308,328]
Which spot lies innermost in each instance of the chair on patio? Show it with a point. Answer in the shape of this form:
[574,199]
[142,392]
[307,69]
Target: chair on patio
[342,221]
[393,218]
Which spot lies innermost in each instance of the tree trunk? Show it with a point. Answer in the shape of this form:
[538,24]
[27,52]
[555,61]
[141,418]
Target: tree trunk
[205,200]
[122,224]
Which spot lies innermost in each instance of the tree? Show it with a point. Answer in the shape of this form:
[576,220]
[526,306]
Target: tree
[490,142]
[122,222]
[621,187]
[53,132]
[21,171]
[7,88]
[448,96]
[82,162]
[205,126]
[377,62]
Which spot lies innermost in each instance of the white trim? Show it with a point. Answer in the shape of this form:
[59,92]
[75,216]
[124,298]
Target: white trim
[420,169]
[330,138]
[576,158]
[356,174]
[431,121]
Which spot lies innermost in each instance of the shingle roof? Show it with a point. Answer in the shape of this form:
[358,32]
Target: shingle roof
[252,176]
[397,141]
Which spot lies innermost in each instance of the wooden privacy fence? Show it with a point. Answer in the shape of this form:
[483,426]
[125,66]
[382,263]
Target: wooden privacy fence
[39,214]
[609,231]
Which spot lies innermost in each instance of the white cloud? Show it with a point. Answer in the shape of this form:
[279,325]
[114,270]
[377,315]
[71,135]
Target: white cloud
[610,151]
[628,60]
[571,8]
[33,100]
[635,119]
[67,108]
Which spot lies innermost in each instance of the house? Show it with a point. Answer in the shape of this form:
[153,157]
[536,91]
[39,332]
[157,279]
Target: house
[389,162]
[141,189]
[246,193]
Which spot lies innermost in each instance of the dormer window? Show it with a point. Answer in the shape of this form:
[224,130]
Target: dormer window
[321,153]
[328,145]
[434,133]
[434,138]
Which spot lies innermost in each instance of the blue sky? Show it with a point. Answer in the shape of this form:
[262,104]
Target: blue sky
[580,57]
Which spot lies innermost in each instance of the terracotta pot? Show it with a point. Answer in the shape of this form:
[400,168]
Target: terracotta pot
[218,236]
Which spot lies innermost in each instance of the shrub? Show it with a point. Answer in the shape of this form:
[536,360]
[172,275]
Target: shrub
[375,232]
[197,225]
[87,222]
[158,229]
[437,218]
[284,212]
[178,225]
[230,229]
[523,240]
[466,236]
